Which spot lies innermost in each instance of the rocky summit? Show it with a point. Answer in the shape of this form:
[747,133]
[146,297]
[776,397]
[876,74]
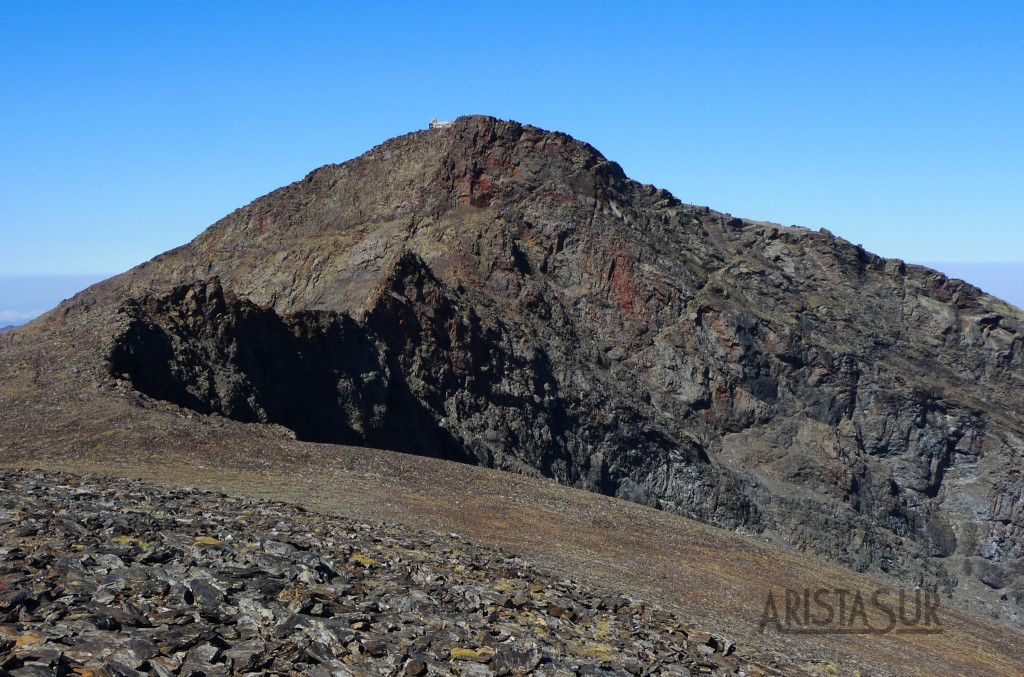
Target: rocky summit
[497,294]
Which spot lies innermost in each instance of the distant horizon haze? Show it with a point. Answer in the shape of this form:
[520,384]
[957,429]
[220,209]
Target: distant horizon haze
[25,297]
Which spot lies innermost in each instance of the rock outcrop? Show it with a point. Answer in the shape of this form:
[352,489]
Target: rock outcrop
[503,295]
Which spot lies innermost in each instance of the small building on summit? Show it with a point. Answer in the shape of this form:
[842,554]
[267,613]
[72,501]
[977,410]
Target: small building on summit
[434,124]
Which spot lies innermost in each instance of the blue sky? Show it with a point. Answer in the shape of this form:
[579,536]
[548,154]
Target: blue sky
[127,128]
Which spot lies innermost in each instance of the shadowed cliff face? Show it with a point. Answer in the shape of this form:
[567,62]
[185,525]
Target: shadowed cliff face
[317,373]
[420,373]
[504,295]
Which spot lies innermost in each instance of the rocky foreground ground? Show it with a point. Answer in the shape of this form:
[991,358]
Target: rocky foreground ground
[114,577]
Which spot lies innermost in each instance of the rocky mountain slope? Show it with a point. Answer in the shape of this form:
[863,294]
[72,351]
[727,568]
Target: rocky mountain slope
[502,295]
[265,486]
[124,578]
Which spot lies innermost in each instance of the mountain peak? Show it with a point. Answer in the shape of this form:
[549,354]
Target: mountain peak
[504,295]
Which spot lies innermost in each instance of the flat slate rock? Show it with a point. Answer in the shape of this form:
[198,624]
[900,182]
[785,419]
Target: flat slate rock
[111,577]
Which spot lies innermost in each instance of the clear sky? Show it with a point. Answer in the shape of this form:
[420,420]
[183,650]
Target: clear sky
[127,128]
